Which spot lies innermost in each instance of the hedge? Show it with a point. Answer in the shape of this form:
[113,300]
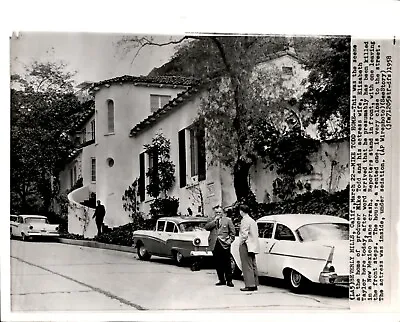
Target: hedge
[315,202]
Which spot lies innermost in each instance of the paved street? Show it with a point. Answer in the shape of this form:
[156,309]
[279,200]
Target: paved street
[52,277]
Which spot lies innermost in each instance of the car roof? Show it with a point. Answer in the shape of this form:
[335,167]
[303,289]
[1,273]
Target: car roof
[294,221]
[32,216]
[179,219]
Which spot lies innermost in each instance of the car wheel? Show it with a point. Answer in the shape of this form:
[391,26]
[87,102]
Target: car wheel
[235,270]
[24,237]
[143,253]
[178,258]
[296,281]
[11,235]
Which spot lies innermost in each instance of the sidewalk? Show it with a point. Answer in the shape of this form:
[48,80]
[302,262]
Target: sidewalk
[95,244]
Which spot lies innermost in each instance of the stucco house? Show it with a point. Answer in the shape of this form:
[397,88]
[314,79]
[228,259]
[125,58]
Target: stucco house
[129,111]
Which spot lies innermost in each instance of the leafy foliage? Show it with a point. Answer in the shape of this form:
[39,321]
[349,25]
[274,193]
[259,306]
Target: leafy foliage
[167,206]
[130,199]
[161,174]
[315,202]
[328,93]
[43,107]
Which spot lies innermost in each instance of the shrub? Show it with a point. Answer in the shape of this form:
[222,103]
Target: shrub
[314,202]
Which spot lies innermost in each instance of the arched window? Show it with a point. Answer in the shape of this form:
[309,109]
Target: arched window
[110,110]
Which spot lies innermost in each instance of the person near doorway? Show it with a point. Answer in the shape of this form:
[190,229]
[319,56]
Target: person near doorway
[99,214]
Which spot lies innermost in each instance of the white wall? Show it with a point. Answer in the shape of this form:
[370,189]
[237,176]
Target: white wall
[177,120]
[131,105]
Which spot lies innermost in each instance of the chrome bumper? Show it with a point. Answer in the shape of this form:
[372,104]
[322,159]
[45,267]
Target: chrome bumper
[200,253]
[42,234]
[333,279]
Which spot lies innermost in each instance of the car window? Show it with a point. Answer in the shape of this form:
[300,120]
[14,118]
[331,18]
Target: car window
[176,229]
[160,225]
[13,218]
[20,220]
[284,233]
[326,231]
[265,229]
[192,226]
[170,227]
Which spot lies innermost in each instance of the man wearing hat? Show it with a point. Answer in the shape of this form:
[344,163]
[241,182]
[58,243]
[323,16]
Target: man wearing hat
[222,234]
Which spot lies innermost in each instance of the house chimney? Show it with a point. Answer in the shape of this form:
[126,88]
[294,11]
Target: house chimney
[290,45]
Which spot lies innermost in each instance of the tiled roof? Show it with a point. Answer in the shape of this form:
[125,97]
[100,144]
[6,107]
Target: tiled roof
[183,97]
[84,116]
[268,57]
[173,81]
[73,154]
[165,110]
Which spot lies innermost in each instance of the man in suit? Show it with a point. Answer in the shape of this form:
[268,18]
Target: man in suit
[222,234]
[248,248]
[99,214]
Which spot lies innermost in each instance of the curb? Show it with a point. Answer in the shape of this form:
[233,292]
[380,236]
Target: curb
[94,244]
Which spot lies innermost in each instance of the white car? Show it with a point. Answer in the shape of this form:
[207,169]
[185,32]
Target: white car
[30,226]
[301,248]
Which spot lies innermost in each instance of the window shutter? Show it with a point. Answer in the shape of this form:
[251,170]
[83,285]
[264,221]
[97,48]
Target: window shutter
[141,177]
[164,100]
[201,154]
[155,169]
[182,158]
[154,103]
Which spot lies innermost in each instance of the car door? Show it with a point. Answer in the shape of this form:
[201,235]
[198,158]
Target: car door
[171,235]
[284,242]
[161,238]
[265,233]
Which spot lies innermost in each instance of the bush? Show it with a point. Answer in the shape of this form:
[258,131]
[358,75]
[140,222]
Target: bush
[314,202]
[123,235]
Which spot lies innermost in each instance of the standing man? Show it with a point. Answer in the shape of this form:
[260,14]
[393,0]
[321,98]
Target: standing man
[99,214]
[222,234]
[248,248]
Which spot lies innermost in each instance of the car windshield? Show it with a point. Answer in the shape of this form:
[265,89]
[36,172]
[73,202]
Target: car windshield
[192,226]
[36,220]
[327,231]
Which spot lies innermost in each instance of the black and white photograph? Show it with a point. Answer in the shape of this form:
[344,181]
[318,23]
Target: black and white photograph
[209,171]
[188,163]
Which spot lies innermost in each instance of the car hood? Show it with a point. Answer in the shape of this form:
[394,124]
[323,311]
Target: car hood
[341,254]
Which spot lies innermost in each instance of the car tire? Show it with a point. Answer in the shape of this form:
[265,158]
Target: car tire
[178,257]
[235,270]
[24,237]
[143,253]
[11,235]
[296,281]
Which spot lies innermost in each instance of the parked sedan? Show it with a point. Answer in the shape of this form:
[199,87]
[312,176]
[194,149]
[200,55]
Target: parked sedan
[301,248]
[176,237]
[31,226]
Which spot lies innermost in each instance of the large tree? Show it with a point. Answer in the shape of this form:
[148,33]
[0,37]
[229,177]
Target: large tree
[43,106]
[247,113]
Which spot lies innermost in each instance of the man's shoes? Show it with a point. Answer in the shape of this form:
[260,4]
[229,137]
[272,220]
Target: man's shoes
[230,284]
[220,283]
[249,289]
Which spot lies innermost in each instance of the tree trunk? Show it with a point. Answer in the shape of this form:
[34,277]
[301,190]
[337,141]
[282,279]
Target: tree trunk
[240,180]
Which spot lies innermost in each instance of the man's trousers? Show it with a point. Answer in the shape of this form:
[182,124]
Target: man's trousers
[222,259]
[249,266]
